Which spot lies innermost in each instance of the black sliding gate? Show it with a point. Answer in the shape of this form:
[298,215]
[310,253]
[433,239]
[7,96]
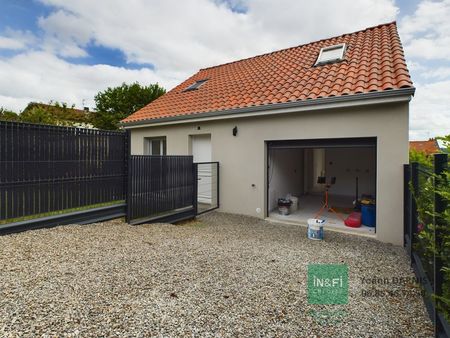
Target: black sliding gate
[170,188]
[161,189]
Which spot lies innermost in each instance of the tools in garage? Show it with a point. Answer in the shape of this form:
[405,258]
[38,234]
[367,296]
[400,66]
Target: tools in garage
[326,205]
[364,211]
[367,215]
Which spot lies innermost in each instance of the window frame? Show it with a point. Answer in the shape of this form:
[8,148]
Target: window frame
[342,46]
[148,145]
[196,85]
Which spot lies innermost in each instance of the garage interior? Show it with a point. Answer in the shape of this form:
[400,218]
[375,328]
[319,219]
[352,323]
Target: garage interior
[294,168]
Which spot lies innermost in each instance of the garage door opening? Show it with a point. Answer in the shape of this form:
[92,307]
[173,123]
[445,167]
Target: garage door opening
[302,170]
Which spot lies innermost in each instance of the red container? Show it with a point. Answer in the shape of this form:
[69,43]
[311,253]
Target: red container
[353,220]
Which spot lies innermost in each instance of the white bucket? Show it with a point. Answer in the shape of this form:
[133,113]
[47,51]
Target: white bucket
[315,229]
[294,206]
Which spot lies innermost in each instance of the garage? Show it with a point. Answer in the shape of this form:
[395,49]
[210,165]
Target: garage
[329,179]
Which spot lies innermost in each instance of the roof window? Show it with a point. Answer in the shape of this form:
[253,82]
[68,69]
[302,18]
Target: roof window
[331,54]
[195,85]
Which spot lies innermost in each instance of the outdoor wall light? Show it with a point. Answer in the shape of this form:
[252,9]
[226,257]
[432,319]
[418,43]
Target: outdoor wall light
[235,131]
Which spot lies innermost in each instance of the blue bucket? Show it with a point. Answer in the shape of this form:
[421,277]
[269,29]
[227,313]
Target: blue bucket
[368,215]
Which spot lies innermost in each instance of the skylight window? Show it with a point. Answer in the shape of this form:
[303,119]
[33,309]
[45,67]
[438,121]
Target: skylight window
[195,85]
[331,54]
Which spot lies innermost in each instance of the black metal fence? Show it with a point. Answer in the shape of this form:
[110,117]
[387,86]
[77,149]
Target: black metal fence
[425,230]
[161,188]
[207,186]
[46,169]
[52,175]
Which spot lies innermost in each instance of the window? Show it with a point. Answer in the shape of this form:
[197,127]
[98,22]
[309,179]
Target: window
[331,54]
[155,146]
[195,85]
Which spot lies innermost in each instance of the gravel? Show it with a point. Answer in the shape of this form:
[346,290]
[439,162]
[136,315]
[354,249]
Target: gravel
[221,275]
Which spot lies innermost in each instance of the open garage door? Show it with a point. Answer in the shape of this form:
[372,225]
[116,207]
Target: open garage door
[294,168]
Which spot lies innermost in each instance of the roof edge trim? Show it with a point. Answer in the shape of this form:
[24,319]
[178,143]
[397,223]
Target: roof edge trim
[286,105]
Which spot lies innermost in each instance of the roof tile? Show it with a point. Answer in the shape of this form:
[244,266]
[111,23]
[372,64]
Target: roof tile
[374,61]
[428,147]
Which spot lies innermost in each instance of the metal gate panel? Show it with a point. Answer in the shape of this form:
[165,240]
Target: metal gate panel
[161,189]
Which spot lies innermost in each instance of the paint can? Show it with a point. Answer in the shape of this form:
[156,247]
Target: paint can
[315,229]
[284,206]
[283,210]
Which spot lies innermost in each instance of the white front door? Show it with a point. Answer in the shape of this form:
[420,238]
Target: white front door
[201,151]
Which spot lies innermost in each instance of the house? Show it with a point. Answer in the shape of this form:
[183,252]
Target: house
[334,108]
[429,147]
[61,114]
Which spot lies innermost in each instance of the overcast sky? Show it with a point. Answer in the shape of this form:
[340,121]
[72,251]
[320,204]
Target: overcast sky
[68,50]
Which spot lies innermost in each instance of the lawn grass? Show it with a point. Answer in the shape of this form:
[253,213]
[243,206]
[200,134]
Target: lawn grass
[59,212]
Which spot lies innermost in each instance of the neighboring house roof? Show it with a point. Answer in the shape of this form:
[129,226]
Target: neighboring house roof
[373,62]
[65,115]
[57,109]
[428,147]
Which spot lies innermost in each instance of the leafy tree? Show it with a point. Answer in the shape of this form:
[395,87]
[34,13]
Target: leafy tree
[429,185]
[54,113]
[39,115]
[446,140]
[8,115]
[421,157]
[115,104]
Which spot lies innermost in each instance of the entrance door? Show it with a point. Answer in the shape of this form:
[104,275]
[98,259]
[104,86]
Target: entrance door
[201,150]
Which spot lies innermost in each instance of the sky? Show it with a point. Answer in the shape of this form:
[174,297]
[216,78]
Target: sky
[69,50]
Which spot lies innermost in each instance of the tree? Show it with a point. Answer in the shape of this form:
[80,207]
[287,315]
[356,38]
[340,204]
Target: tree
[8,115]
[420,157]
[430,185]
[38,114]
[446,141]
[55,113]
[115,104]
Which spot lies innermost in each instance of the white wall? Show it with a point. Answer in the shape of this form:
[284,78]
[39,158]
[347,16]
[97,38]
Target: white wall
[243,158]
[348,163]
[318,169]
[308,170]
[286,174]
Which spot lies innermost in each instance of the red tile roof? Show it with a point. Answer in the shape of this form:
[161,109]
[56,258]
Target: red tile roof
[428,147]
[373,61]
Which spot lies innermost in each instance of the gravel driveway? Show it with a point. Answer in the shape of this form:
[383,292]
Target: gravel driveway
[223,275]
